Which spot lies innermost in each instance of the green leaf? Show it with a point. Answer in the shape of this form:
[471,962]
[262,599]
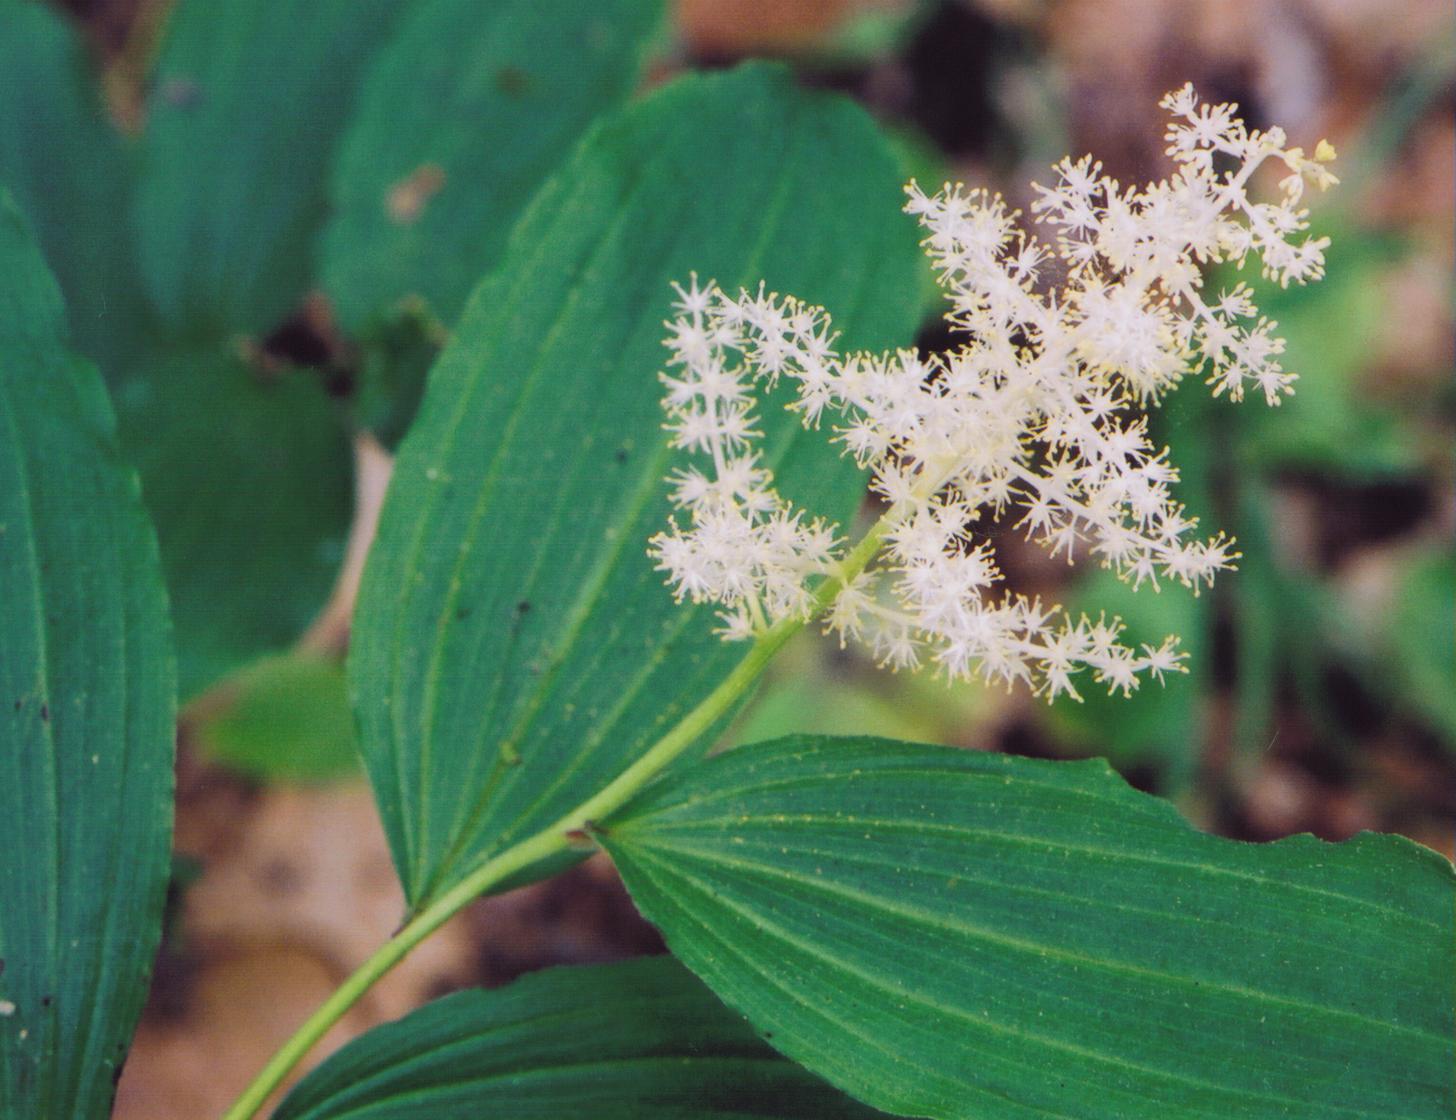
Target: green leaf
[950,933]
[248,478]
[67,171]
[513,648]
[460,119]
[284,718]
[247,101]
[612,1042]
[87,708]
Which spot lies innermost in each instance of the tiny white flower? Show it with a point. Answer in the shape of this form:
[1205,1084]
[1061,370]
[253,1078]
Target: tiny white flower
[1034,410]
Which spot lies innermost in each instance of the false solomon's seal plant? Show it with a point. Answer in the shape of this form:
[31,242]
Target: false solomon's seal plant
[939,933]
[857,927]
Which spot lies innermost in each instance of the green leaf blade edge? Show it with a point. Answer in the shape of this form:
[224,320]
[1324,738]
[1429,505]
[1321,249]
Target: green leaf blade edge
[513,648]
[87,715]
[615,1042]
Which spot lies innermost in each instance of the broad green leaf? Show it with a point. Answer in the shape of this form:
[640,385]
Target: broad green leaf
[513,648]
[950,933]
[285,718]
[460,119]
[247,101]
[87,707]
[64,165]
[642,1039]
[248,478]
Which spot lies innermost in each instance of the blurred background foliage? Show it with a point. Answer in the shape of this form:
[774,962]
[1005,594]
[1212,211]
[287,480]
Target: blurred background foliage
[266,215]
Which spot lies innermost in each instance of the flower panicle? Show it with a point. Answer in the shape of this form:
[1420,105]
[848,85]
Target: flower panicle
[743,547]
[1038,412]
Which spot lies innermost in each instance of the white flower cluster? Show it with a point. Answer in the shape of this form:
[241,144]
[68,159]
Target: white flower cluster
[1038,411]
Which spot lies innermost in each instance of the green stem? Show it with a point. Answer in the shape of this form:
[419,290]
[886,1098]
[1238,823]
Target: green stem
[558,836]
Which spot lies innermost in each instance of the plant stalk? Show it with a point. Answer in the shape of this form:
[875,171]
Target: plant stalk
[564,833]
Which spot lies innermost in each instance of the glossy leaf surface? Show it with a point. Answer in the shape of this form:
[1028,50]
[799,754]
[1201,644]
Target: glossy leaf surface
[513,648]
[949,933]
[87,706]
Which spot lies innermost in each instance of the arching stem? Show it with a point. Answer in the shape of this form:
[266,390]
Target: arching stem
[559,836]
